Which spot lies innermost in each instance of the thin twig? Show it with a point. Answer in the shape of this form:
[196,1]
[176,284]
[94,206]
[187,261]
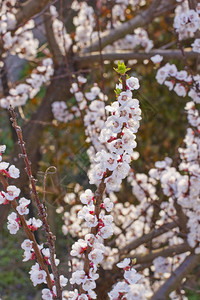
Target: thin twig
[47,172]
[41,208]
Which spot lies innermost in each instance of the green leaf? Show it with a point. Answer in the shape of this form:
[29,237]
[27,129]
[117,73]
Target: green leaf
[121,69]
[118,91]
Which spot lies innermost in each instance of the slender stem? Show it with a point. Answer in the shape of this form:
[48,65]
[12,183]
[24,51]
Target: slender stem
[41,208]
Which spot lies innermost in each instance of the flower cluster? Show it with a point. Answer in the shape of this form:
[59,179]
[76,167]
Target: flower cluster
[93,242]
[13,224]
[32,251]
[179,81]
[163,266]
[23,42]
[156,59]
[196,46]
[119,9]
[7,17]
[129,288]
[62,37]
[65,113]
[118,134]
[61,112]
[131,41]
[12,192]
[19,95]
[184,189]
[187,23]
[189,186]
[90,103]
[85,23]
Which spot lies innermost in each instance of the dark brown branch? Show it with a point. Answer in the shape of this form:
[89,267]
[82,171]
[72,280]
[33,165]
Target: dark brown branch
[192,4]
[182,218]
[165,6]
[54,48]
[177,276]
[28,10]
[4,79]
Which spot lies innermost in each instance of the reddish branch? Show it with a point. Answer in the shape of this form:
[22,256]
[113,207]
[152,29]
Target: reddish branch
[98,198]
[41,208]
[30,235]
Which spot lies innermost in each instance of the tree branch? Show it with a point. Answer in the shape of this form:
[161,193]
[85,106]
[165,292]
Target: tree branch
[175,279]
[85,59]
[54,48]
[192,4]
[148,237]
[28,10]
[165,252]
[140,20]
[41,207]
[98,197]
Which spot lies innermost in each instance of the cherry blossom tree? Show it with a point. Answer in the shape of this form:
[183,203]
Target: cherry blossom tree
[131,232]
